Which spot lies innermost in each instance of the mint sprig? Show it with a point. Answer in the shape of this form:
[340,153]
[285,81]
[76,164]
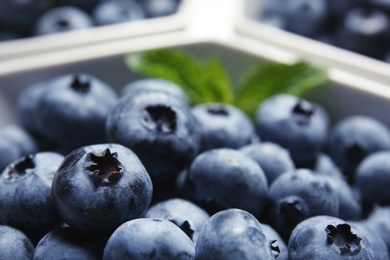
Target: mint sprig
[208,81]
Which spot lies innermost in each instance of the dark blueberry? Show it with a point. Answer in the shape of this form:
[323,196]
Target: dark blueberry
[364,30]
[15,142]
[355,137]
[99,187]
[14,244]
[298,195]
[373,178]
[87,5]
[325,165]
[70,110]
[157,8]
[233,234]
[25,193]
[226,178]
[273,159]
[223,125]
[62,19]
[294,123]
[378,223]
[183,213]
[159,128]
[21,14]
[68,243]
[278,246]
[327,237]
[339,8]
[306,17]
[119,11]
[147,238]
[151,84]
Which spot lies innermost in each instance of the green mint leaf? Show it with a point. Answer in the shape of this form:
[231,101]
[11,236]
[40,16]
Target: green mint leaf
[269,79]
[202,82]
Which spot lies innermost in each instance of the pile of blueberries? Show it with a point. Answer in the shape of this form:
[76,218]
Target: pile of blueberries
[90,173]
[27,18]
[361,26]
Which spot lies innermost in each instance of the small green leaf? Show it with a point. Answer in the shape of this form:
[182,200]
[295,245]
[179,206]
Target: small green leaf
[269,79]
[202,82]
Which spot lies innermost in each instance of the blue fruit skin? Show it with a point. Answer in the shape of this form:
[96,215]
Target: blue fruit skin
[294,123]
[183,213]
[25,193]
[99,187]
[62,19]
[86,5]
[68,243]
[273,159]
[72,110]
[158,8]
[233,234]
[223,125]
[152,84]
[325,165]
[278,246]
[112,12]
[159,128]
[298,195]
[147,238]
[225,178]
[310,240]
[373,178]
[14,244]
[378,223]
[355,137]
[339,8]
[15,142]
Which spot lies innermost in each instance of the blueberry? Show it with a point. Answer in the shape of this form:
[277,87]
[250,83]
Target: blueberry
[378,223]
[25,193]
[327,237]
[14,244]
[364,30]
[99,187]
[340,8]
[373,178]
[15,142]
[298,195]
[278,246]
[226,178]
[325,165]
[183,213]
[159,128]
[223,125]
[69,110]
[112,12]
[294,123]
[157,8]
[68,243]
[233,234]
[86,5]
[273,159]
[355,137]
[62,19]
[152,84]
[147,238]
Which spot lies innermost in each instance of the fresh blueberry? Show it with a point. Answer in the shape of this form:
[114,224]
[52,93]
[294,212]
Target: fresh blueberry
[159,128]
[378,223]
[325,165]
[147,238]
[233,234]
[62,19]
[68,243]
[14,244]
[25,194]
[373,178]
[364,30]
[15,142]
[278,246]
[223,125]
[157,8]
[183,213]
[298,195]
[355,137]
[226,178]
[294,123]
[306,17]
[119,11]
[70,110]
[86,5]
[99,187]
[152,84]
[273,159]
[327,237]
